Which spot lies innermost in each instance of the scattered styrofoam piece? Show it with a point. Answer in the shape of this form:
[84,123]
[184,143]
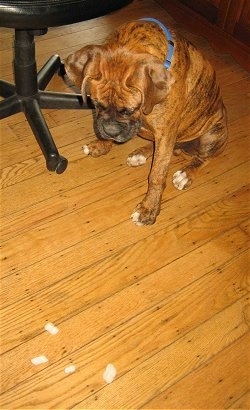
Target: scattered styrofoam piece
[109,373]
[39,360]
[51,328]
[70,369]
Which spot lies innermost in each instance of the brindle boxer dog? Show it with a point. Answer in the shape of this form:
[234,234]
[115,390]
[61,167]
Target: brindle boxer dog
[149,81]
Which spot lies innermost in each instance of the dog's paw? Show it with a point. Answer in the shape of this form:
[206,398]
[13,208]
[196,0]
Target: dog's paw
[136,218]
[97,148]
[86,150]
[143,216]
[136,160]
[181,180]
[92,150]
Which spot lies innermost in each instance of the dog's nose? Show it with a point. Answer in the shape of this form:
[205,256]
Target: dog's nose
[113,130]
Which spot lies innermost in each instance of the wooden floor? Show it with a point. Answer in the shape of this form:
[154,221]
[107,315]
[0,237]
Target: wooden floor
[165,304]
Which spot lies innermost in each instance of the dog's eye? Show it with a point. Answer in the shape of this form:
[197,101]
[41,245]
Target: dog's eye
[126,111]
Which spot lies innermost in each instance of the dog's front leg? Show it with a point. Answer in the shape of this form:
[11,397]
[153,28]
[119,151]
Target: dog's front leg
[147,211]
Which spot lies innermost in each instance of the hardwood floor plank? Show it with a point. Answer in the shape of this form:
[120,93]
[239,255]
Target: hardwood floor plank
[127,261]
[7,135]
[245,226]
[205,387]
[45,235]
[230,96]
[20,311]
[137,339]
[171,363]
[166,365]
[242,403]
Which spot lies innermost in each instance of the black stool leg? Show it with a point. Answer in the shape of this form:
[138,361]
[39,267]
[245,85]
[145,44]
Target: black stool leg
[51,99]
[54,161]
[47,71]
[10,106]
[6,89]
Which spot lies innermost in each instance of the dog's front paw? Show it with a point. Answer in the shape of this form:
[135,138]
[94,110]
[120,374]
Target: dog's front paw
[140,155]
[86,150]
[181,180]
[143,216]
[92,150]
[136,160]
[97,148]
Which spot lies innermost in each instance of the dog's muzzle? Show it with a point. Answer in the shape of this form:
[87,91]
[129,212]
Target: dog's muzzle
[117,131]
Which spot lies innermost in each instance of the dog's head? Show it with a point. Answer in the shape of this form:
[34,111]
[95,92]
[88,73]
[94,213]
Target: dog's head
[122,85]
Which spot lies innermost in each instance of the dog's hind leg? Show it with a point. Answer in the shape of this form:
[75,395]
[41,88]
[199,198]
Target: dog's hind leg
[202,150]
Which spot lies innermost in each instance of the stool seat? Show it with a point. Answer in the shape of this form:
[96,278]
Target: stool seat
[38,14]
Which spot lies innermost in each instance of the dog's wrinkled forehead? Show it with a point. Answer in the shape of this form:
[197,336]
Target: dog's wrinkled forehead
[114,66]
[114,83]
[112,94]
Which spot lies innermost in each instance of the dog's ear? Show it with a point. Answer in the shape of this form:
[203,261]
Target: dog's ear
[157,83]
[83,64]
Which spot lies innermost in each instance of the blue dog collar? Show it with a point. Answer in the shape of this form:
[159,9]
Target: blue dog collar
[167,62]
